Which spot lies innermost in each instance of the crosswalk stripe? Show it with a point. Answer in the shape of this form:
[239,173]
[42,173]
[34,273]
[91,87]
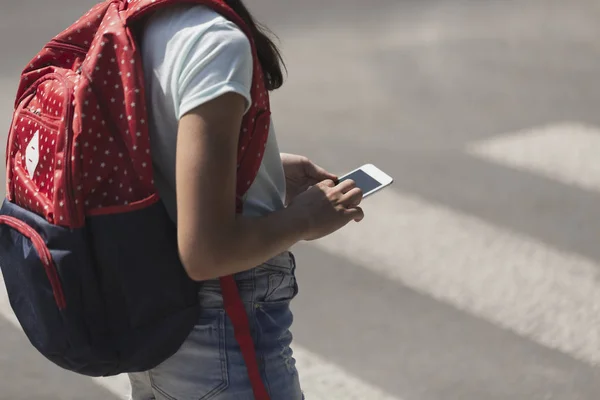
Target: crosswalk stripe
[117,385]
[320,379]
[509,279]
[567,152]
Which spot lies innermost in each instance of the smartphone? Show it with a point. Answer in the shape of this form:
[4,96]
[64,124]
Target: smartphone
[369,179]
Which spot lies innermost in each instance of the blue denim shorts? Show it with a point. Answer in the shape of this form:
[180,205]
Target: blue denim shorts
[209,365]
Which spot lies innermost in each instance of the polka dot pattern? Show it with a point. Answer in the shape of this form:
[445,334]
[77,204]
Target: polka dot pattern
[34,189]
[83,95]
[255,125]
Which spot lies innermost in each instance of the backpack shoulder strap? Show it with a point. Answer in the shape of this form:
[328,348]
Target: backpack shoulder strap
[135,10]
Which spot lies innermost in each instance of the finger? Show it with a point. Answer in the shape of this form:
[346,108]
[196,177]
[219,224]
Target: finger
[327,183]
[352,198]
[346,186]
[357,214]
[316,172]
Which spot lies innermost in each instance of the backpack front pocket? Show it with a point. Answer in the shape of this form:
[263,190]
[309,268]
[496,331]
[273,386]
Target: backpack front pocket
[33,284]
[53,290]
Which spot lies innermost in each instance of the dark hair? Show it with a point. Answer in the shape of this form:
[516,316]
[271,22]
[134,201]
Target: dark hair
[268,54]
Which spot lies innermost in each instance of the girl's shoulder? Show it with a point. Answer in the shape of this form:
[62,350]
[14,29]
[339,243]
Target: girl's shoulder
[187,17]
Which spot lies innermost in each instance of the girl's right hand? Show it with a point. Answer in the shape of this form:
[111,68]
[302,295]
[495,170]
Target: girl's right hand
[328,207]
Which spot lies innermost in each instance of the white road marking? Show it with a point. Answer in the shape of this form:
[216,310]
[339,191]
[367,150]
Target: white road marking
[512,280]
[569,153]
[321,380]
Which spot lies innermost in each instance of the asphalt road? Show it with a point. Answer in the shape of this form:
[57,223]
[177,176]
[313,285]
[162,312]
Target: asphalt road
[475,276]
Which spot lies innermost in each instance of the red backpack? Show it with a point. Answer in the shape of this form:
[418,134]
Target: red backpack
[88,253]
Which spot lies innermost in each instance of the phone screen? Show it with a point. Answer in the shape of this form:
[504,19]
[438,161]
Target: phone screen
[363,180]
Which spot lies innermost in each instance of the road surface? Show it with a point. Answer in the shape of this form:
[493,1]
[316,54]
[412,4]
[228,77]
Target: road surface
[475,277]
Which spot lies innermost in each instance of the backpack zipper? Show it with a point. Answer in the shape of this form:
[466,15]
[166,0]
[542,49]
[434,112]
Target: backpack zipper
[44,254]
[59,44]
[74,222]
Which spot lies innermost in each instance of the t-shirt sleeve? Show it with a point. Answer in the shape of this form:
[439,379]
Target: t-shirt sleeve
[209,63]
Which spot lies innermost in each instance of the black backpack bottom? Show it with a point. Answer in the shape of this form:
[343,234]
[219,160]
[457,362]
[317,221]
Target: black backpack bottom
[106,299]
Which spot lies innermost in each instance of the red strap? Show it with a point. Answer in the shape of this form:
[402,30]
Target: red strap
[237,314]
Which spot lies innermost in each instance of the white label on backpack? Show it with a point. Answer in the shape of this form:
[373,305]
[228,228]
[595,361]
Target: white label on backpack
[32,154]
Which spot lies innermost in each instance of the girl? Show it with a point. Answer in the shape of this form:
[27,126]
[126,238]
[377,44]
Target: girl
[199,70]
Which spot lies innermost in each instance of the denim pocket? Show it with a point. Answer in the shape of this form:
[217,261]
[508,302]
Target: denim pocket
[198,371]
[276,279]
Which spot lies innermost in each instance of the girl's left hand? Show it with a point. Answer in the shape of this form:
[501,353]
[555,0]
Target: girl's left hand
[300,174]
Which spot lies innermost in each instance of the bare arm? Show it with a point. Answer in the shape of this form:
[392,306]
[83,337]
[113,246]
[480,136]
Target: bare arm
[213,240]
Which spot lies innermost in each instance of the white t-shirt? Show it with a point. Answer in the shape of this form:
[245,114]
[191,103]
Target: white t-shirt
[192,55]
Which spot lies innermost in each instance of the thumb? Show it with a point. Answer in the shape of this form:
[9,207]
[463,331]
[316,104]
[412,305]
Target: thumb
[356,213]
[316,172]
